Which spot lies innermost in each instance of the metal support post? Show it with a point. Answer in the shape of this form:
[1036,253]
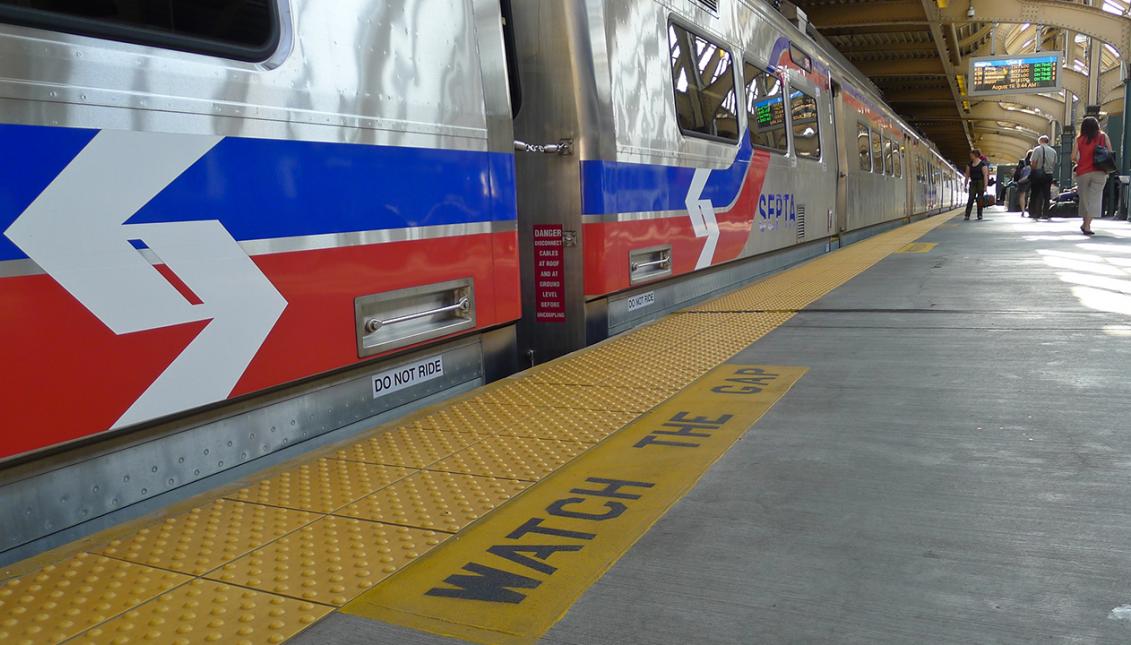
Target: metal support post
[1125,152]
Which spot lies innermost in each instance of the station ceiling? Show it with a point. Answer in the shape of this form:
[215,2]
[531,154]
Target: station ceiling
[917,51]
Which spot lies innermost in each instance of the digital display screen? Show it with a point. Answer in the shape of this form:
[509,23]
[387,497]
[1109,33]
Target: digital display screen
[770,112]
[1021,74]
[805,109]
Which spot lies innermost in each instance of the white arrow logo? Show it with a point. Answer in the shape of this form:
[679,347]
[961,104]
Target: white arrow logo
[702,213]
[76,232]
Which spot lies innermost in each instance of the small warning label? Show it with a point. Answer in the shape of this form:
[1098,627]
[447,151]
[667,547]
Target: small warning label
[641,300]
[549,265]
[404,376]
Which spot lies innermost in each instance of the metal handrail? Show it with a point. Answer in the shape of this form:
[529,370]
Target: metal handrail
[373,324]
[662,263]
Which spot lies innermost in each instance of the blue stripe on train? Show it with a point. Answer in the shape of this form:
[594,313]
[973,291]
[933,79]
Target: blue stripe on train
[609,187]
[265,188]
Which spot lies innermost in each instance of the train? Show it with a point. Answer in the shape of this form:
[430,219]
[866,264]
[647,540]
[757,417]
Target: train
[231,228]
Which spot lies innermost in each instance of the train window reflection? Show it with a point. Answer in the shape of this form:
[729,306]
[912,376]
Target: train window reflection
[864,145]
[878,154]
[897,160]
[888,167]
[806,125]
[706,103]
[239,29]
[765,109]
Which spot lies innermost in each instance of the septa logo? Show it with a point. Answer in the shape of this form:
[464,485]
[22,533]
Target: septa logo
[776,209]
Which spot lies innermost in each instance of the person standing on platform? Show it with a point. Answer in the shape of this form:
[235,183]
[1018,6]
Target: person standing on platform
[975,181]
[1042,164]
[1021,179]
[1090,180]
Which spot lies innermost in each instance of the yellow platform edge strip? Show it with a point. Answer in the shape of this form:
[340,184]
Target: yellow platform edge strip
[512,575]
[119,591]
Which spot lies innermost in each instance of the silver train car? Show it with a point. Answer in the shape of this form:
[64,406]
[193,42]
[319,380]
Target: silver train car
[711,142]
[229,229]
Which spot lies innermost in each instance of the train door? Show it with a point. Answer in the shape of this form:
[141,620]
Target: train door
[841,159]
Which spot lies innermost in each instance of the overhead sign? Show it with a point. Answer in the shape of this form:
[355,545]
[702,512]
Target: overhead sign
[1015,74]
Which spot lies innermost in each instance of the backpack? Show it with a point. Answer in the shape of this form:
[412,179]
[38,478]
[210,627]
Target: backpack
[1103,159]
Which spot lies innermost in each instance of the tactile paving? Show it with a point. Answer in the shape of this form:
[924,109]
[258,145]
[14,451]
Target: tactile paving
[435,500]
[574,397]
[60,600]
[330,561]
[203,611]
[207,536]
[511,457]
[493,419]
[410,446]
[322,485]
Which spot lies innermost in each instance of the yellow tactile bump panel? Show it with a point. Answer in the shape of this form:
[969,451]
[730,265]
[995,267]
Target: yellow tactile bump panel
[492,419]
[330,561]
[207,536]
[917,247]
[410,446]
[60,600]
[661,376]
[738,331]
[797,288]
[521,392]
[511,457]
[209,612]
[435,500]
[321,486]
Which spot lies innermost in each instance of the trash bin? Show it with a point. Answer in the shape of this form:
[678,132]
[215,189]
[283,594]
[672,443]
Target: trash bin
[1013,199]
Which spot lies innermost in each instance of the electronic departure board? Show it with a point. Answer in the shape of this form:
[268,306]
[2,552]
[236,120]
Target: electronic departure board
[770,113]
[1017,74]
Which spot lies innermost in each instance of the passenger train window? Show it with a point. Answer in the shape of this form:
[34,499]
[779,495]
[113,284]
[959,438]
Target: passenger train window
[888,168]
[765,109]
[239,29]
[703,76]
[864,145]
[806,126]
[878,153]
[800,58]
[897,160]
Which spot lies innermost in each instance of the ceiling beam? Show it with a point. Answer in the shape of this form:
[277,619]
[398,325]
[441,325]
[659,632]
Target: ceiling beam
[901,67]
[1028,139]
[878,14]
[948,55]
[931,95]
[1084,19]
[989,112]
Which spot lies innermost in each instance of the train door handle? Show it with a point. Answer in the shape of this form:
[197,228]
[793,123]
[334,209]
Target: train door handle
[374,324]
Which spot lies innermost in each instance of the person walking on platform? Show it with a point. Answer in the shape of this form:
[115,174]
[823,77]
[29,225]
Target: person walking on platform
[1090,173]
[1042,163]
[975,181]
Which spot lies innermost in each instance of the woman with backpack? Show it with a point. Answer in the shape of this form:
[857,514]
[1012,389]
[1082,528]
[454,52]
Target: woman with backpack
[1093,157]
[1021,180]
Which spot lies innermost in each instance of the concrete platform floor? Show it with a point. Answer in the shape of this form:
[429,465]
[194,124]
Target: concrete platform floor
[955,467]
